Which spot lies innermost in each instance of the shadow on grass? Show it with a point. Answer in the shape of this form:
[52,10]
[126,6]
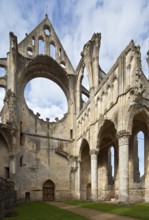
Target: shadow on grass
[42,211]
[139,210]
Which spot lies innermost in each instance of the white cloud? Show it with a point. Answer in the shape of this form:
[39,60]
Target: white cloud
[47,112]
[118,22]
[75,21]
[21,17]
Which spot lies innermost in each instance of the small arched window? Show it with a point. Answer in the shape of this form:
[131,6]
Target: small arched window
[33,41]
[52,50]
[60,51]
[41,46]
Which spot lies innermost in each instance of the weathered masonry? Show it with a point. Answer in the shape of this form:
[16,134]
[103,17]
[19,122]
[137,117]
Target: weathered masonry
[93,151]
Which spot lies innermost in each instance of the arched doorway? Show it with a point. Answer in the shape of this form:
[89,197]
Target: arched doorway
[48,191]
[88,191]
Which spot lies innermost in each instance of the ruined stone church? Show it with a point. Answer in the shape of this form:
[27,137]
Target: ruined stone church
[92,152]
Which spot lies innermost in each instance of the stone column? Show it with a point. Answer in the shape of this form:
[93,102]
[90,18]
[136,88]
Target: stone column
[57,57]
[93,154]
[131,163]
[47,48]
[78,183]
[12,63]
[123,140]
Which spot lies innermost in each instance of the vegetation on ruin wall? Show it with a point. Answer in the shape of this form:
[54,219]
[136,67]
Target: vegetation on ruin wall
[139,210]
[41,210]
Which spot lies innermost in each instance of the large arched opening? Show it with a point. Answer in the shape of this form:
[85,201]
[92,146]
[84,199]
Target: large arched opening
[85,172]
[107,161]
[49,101]
[138,157]
[44,81]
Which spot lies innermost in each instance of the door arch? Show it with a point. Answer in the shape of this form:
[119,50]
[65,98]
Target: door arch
[48,191]
[88,191]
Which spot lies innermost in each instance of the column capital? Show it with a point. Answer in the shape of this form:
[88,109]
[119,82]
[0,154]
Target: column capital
[123,133]
[94,151]
[123,137]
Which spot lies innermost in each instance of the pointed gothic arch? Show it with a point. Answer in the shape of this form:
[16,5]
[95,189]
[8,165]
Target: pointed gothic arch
[49,190]
[110,128]
[52,50]
[137,110]
[107,160]
[84,144]
[85,169]
[139,154]
[41,45]
[139,145]
[82,86]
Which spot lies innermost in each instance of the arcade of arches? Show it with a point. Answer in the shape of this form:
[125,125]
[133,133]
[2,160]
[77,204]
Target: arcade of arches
[99,149]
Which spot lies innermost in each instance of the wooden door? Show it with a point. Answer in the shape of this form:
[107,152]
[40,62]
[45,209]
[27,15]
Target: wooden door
[48,191]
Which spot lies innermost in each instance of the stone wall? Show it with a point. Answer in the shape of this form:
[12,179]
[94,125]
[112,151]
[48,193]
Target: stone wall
[7,198]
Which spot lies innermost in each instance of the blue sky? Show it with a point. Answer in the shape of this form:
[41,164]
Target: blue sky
[141,152]
[75,21]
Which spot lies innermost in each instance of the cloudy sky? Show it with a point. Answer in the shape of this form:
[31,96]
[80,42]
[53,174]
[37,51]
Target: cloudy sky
[75,21]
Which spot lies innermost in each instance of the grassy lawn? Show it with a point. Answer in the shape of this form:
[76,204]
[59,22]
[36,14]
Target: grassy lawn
[139,210]
[42,211]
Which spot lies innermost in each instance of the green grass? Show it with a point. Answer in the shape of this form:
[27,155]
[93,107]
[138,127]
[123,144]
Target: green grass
[42,211]
[139,210]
